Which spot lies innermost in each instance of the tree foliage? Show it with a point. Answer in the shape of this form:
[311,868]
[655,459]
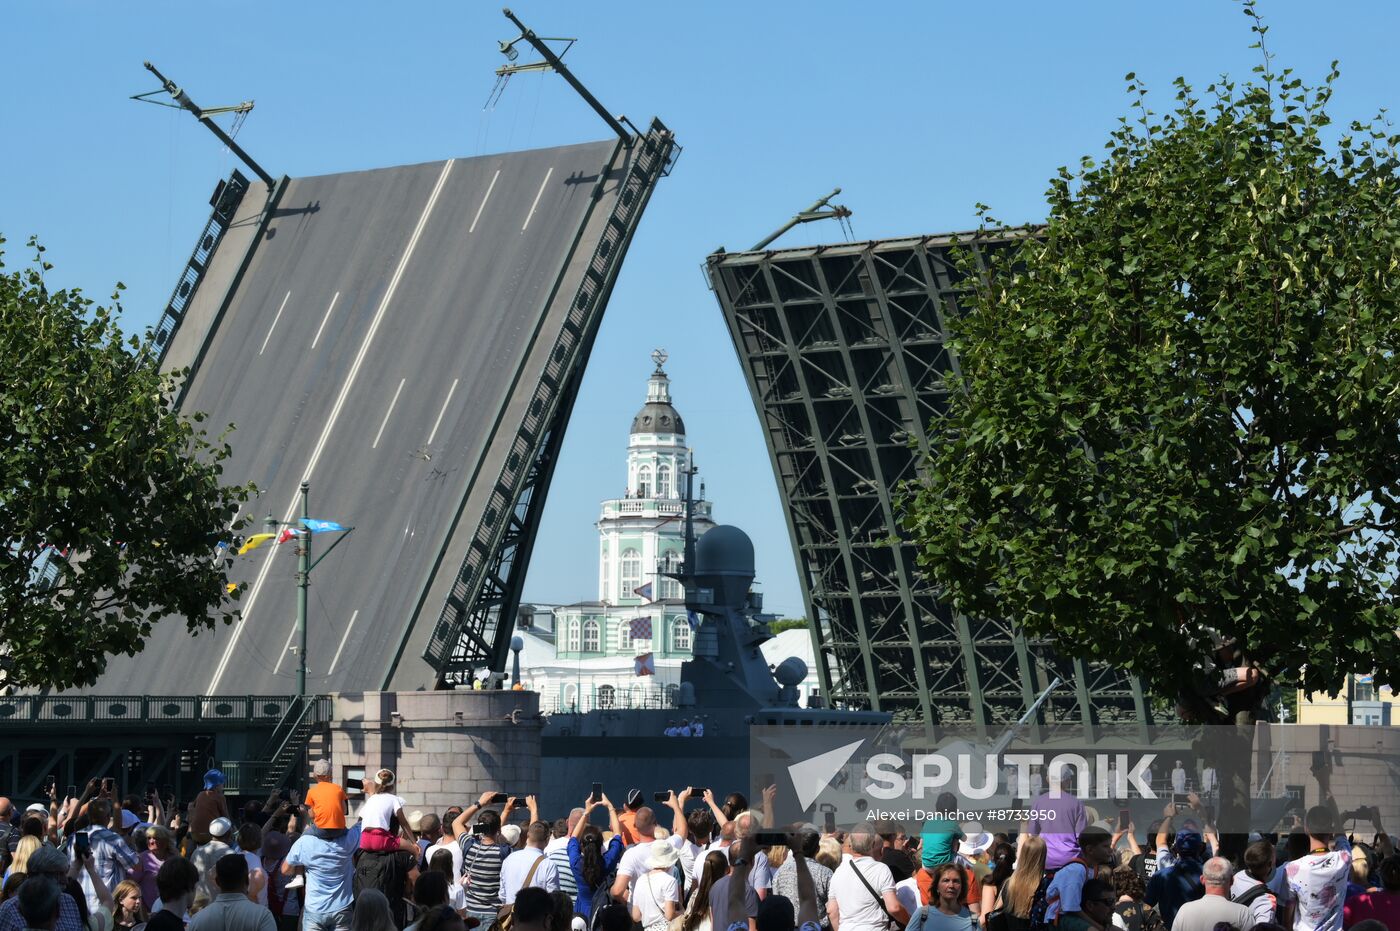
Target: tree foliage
[1175,422]
[102,479]
[788,623]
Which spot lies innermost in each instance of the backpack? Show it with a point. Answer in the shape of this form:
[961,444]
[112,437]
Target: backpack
[1250,894]
[1041,902]
[601,896]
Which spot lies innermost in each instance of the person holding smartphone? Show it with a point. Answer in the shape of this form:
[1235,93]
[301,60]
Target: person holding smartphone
[483,853]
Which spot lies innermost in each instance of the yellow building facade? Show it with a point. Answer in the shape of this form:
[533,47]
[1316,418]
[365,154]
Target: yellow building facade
[1361,702]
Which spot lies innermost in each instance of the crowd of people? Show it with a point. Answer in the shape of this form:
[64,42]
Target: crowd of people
[688,861]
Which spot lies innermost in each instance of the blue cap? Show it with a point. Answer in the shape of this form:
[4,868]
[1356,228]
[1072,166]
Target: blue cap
[1189,843]
[213,779]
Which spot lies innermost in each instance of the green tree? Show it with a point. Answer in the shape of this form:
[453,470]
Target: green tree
[101,479]
[1172,443]
[788,623]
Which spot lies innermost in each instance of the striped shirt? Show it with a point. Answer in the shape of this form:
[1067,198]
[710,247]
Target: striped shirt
[481,865]
[558,852]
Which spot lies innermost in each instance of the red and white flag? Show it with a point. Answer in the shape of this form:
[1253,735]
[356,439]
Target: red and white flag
[644,665]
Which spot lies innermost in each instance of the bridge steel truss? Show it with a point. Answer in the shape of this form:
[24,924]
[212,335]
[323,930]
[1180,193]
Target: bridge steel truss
[843,350]
[475,624]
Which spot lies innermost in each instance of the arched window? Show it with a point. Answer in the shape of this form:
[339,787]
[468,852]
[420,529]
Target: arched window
[663,481]
[644,482]
[680,635]
[590,636]
[631,564]
[571,697]
[606,696]
[571,638]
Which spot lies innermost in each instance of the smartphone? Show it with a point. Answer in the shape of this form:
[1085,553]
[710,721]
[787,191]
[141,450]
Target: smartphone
[661,796]
[829,822]
[72,791]
[150,789]
[517,801]
[1179,802]
[81,845]
[498,798]
[771,838]
[107,782]
[597,795]
[698,791]
[1124,817]
[49,783]
[354,785]
[478,828]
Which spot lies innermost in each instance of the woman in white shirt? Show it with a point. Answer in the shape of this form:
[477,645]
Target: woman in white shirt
[382,817]
[655,894]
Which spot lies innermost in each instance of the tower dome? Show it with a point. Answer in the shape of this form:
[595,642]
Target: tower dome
[657,415]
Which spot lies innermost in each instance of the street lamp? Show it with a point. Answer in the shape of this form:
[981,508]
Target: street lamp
[304,567]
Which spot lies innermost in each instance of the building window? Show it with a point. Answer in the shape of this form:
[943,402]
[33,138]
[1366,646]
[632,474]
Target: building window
[670,588]
[631,573]
[663,481]
[571,639]
[590,636]
[353,778]
[571,697]
[644,482]
[1365,690]
[606,696]
[680,635]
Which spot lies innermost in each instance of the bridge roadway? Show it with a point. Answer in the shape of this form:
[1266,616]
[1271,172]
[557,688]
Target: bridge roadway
[370,348]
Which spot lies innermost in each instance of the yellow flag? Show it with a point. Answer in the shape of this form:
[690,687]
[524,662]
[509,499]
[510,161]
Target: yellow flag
[255,541]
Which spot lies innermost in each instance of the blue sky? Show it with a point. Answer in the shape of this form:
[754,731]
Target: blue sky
[917,110]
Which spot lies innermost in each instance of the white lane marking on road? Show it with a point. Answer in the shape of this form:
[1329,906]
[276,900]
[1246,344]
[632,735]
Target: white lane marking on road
[383,423]
[437,423]
[489,188]
[286,648]
[274,322]
[538,195]
[330,422]
[317,338]
[343,637]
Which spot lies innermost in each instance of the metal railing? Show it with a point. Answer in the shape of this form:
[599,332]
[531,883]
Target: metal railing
[24,711]
[225,201]
[591,698]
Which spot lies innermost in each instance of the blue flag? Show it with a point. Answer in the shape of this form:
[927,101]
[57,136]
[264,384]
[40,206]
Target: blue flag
[321,526]
[693,619]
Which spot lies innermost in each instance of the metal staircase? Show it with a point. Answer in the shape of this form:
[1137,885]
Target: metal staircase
[284,749]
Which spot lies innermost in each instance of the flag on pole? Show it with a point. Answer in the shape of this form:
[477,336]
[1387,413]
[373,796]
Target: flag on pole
[644,665]
[321,526]
[693,619]
[255,541]
[643,591]
[641,628]
[286,534]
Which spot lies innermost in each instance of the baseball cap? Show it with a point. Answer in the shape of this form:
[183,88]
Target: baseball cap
[634,798]
[129,820]
[213,779]
[220,827]
[321,768]
[47,860]
[510,833]
[38,809]
[1189,843]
